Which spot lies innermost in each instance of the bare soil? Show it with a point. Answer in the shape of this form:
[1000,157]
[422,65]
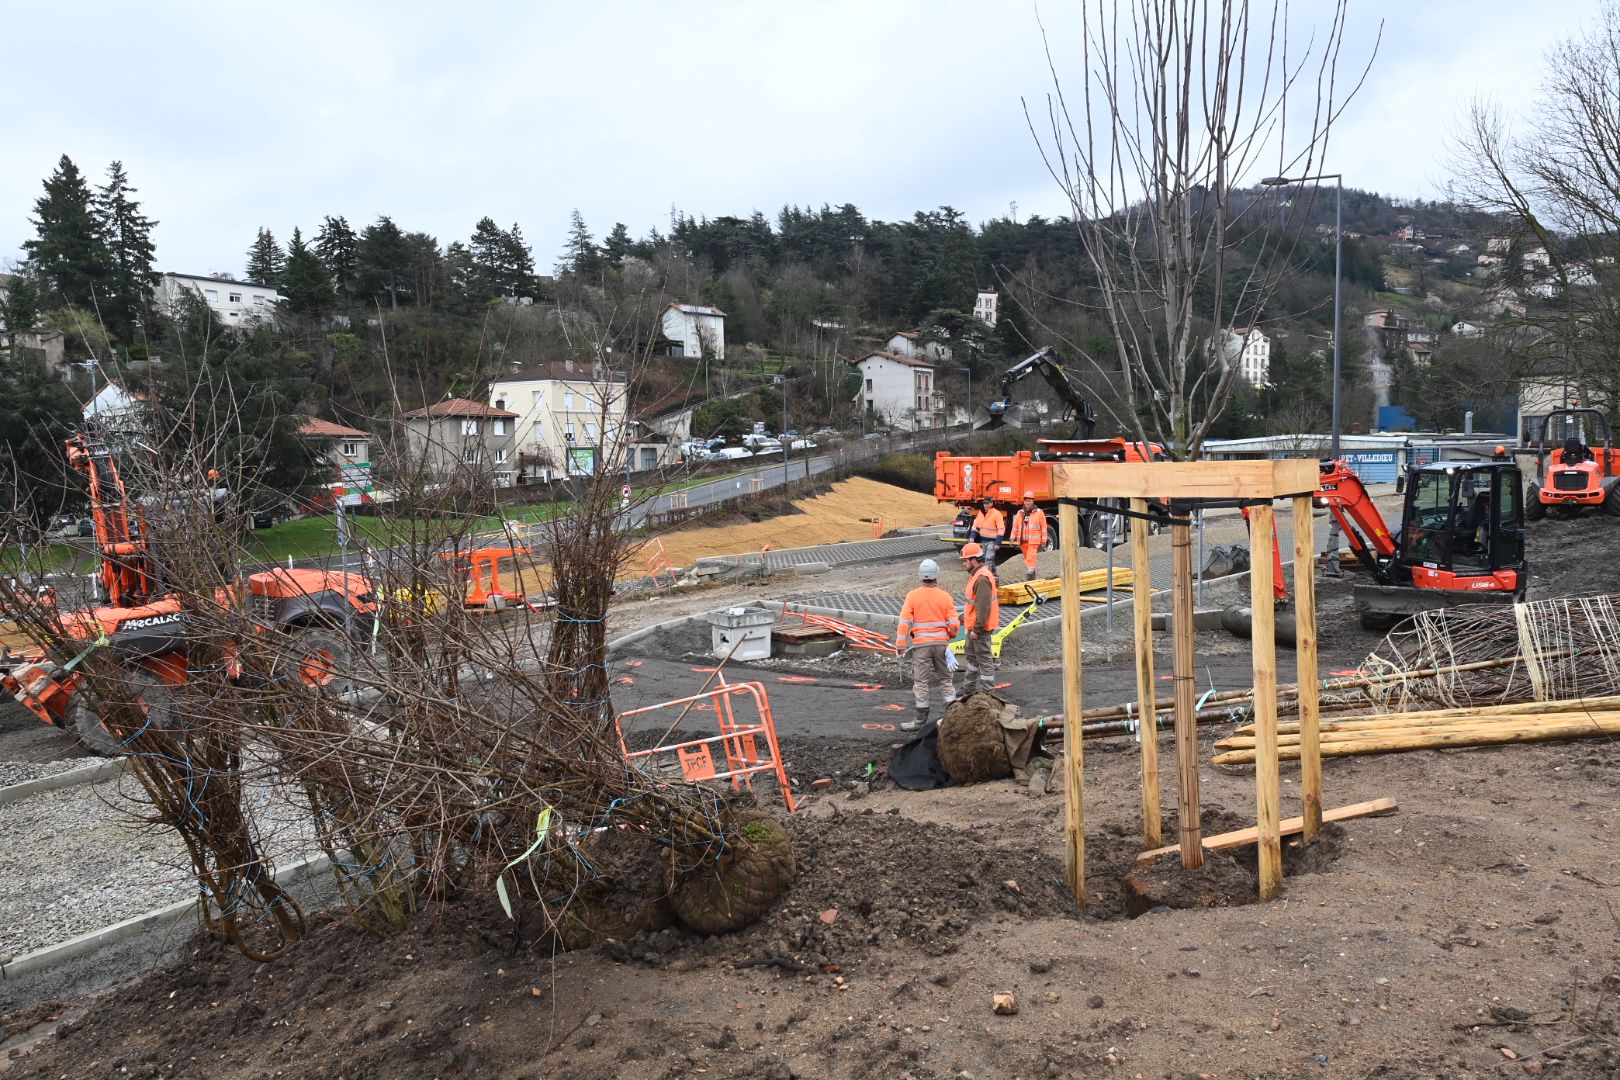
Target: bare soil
[1475,933]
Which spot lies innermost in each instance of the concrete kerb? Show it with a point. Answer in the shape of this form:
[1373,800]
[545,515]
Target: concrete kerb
[41,960]
[103,769]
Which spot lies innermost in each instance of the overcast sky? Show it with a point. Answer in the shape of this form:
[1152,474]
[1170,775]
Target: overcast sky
[228,117]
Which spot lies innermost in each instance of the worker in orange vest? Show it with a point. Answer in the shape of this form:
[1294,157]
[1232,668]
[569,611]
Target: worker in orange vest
[981,615]
[989,527]
[928,622]
[1029,532]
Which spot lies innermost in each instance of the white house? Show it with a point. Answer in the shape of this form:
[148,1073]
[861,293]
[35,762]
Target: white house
[571,419]
[899,390]
[1249,350]
[1467,329]
[237,303]
[348,457]
[912,344]
[694,329]
[116,409]
[984,307]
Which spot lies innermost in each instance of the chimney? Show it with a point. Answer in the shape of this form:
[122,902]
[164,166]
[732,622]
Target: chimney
[568,365]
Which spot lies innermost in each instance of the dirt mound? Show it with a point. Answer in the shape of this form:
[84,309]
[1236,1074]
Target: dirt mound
[971,746]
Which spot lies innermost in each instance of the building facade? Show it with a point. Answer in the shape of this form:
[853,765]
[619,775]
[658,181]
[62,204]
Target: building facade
[461,440]
[237,303]
[985,306]
[347,456]
[570,419]
[694,330]
[899,391]
[1249,349]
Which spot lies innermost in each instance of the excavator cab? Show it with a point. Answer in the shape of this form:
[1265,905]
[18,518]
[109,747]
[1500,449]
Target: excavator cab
[1464,520]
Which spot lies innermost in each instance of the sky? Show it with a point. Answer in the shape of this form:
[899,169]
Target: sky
[231,117]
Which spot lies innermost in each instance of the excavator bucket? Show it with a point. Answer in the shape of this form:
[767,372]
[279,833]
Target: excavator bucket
[1004,414]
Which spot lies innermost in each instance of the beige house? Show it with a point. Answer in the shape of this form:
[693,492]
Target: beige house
[459,439]
[570,419]
[899,390]
[347,454]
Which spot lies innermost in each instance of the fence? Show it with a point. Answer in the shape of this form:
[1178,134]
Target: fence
[739,740]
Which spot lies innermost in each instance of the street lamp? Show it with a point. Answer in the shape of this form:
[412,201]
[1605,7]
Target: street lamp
[1338,335]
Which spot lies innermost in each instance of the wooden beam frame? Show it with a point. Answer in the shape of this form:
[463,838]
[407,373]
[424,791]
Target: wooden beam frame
[1184,479]
[1074,818]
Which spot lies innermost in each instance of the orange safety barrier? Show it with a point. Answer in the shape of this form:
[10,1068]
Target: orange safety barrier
[483,567]
[658,562]
[877,528]
[858,636]
[738,739]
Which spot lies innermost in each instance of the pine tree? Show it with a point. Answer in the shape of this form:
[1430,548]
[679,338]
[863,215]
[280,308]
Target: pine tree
[306,282]
[580,255]
[485,250]
[127,234]
[19,311]
[67,250]
[617,245]
[384,261]
[265,260]
[339,251]
[517,260]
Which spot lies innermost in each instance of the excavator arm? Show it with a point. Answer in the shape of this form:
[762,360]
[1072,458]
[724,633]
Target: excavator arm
[126,571]
[1345,497]
[1006,410]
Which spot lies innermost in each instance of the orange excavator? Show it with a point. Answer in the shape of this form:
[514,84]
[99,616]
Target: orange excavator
[1461,539]
[145,628]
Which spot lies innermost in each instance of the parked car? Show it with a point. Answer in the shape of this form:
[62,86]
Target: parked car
[87,527]
[731,453]
[767,450]
[801,444]
[873,436]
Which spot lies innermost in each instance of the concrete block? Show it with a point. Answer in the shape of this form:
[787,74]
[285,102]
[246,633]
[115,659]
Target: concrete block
[810,569]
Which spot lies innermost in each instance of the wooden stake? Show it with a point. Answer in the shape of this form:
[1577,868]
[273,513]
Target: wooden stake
[1525,730]
[1192,833]
[1310,759]
[1243,837]
[1267,777]
[1146,688]
[1074,819]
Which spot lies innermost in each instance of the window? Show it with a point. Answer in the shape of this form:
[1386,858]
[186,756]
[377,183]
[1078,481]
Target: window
[471,454]
[568,431]
[499,427]
[868,386]
[500,457]
[235,297]
[568,401]
[590,432]
[259,300]
[469,427]
[538,398]
[500,403]
[212,295]
[350,449]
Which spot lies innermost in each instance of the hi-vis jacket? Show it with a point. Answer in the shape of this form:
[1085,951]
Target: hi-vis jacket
[983,608]
[1029,527]
[989,524]
[928,617]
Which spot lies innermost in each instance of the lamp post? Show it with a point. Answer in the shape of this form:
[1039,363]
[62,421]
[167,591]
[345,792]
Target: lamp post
[970,395]
[1333,569]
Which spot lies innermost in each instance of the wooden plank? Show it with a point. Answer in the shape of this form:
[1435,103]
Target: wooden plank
[1263,647]
[1184,479]
[1310,708]
[1245,837]
[1074,819]
[1187,813]
[1146,688]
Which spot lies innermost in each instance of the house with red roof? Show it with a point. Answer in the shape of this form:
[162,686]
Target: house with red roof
[461,439]
[346,452]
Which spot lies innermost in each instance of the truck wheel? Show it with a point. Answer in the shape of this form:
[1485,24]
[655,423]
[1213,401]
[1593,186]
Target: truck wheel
[1611,501]
[1534,508]
[319,658]
[84,713]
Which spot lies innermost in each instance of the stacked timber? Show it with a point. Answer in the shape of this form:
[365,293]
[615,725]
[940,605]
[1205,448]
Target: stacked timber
[1488,725]
[1025,592]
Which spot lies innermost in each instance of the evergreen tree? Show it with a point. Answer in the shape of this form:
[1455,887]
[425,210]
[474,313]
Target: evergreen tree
[305,282]
[67,249]
[339,251]
[127,234]
[461,279]
[517,260]
[501,262]
[383,260]
[19,312]
[39,413]
[617,245]
[265,260]
[580,255]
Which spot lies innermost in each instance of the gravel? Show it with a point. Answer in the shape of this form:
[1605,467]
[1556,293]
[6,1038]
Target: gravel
[79,859]
[20,772]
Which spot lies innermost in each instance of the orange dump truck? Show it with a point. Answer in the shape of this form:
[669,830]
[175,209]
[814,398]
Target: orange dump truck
[966,479]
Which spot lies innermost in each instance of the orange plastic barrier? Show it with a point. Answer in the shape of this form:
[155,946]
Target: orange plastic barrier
[658,562]
[858,636]
[739,740]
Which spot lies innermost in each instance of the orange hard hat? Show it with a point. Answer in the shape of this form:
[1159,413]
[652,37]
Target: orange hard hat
[1029,494]
[972,551]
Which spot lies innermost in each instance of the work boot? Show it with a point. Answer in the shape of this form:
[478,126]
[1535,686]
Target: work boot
[1030,576]
[922,718]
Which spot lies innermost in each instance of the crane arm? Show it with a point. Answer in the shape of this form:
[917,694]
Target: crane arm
[1346,498]
[1044,362]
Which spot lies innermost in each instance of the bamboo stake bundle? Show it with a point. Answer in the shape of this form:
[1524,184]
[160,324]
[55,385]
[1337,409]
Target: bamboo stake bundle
[1510,730]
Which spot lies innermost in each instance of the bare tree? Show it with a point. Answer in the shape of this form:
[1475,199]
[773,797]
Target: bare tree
[1179,105]
[1558,178]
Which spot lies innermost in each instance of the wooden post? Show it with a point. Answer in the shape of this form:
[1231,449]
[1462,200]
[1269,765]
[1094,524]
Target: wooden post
[1074,818]
[1310,754]
[1146,689]
[1192,833]
[1263,642]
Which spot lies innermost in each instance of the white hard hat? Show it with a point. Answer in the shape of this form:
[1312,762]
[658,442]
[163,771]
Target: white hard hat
[928,570]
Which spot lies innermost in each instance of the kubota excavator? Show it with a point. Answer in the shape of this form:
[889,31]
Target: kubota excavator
[1585,473]
[144,626]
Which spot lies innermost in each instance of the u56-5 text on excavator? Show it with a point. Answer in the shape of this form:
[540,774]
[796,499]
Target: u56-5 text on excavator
[144,626]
